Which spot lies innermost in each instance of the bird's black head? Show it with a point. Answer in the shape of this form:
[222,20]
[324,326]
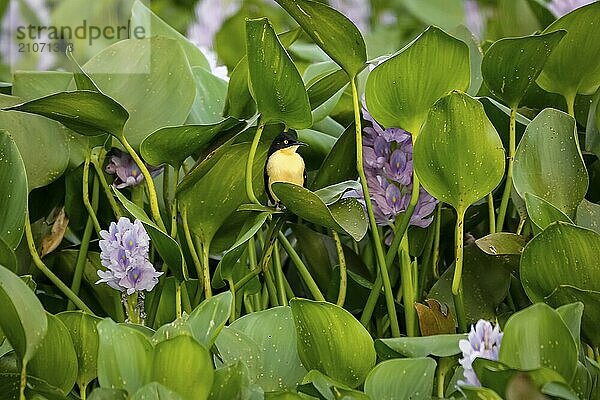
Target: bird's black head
[284,140]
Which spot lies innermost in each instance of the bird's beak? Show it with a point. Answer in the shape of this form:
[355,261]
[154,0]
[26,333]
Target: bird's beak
[301,144]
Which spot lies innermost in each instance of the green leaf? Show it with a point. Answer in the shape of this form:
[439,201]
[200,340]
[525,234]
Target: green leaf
[84,335]
[193,382]
[328,87]
[332,341]
[22,318]
[151,78]
[273,332]
[401,90]
[557,174]
[173,144]
[502,243]
[108,394]
[55,361]
[156,391]
[566,294]
[537,337]
[458,156]
[207,320]
[275,82]
[210,98]
[409,378]
[345,216]
[511,65]
[13,197]
[444,13]
[232,382]
[141,15]
[7,257]
[340,163]
[330,30]
[542,213]
[437,345]
[571,315]
[124,357]
[582,41]
[82,80]
[86,112]
[167,247]
[588,215]
[239,102]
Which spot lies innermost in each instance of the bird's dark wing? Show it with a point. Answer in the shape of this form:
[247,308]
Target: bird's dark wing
[266,180]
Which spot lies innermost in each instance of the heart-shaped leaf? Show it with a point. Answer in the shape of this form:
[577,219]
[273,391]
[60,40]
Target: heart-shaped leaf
[239,102]
[537,337]
[13,197]
[567,294]
[207,320]
[332,341]
[156,391]
[275,82]
[208,105]
[542,213]
[173,144]
[331,31]
[409,378]
[434,319]
[167,247]
[511,65]
[22,318]
[437,345]
[581,41]
[345,216]
[548,163]
[84,335]
[458,156]
[588,215]
[502,243]
[401,90]
[340,163]
[7,256]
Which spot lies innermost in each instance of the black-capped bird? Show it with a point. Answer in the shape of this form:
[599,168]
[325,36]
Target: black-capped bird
[283,163]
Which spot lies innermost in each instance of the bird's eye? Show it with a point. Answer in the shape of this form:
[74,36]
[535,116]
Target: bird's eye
[286,141]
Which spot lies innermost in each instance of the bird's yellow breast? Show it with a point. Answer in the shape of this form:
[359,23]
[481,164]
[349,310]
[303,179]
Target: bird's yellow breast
[285,165]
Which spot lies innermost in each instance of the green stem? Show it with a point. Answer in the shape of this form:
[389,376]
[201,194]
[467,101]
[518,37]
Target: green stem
[457,287]
[85,243]
[233,301]
[149,183]
[250,164]
[206,270]
[23,382]
[270,281]
[86,196]
[178,299]
[343,269]
[509,174]
[174,203]
[304,273]
[49,274]
[435,258]
[97,163]
[408,290]
[381,259]
[193,252]
[83,392]
[491,212]
[185,298]
[521,225]
[137,196]
[279,278]
[133,314]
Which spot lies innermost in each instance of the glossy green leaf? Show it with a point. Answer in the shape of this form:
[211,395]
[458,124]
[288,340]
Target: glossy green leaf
[479,393]
[409,378]
[511,65]
[238,101]
[326,88]
[173,144]
[437,345]
[30,85]
[330,30]
[275,82]
[82,80]
[55,361]
[502,243]
[13,197]
[340,164]
[537,337]
[332,341]
[273,332]
[458,156]
[401,90]
[7,257]
[156,391]
[582,41]
[144,17]
[588,215]
[209,103]
[124,357]
[85,112]
[207,320]
[223,172]
[567,294]
[232,382]
[166,246]
[571,315]
[444,13]
[556,174]
[542,213]
[169,356]
[236,347]
[150,78]
[84,335]
[107,394]
[345,216]
[22,318]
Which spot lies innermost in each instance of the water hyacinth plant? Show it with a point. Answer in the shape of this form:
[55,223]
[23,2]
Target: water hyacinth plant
[450,178]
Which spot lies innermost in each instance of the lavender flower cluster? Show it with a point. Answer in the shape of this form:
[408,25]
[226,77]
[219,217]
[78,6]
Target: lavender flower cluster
[484,341]
[389,170]
[124,252]
[127,171]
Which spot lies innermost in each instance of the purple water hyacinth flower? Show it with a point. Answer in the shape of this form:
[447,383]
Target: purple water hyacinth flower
[562,7]
[124,252]
[484,341]
[388,164]
[128,172]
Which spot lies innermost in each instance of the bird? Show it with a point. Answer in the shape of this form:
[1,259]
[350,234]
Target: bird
[284,164]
